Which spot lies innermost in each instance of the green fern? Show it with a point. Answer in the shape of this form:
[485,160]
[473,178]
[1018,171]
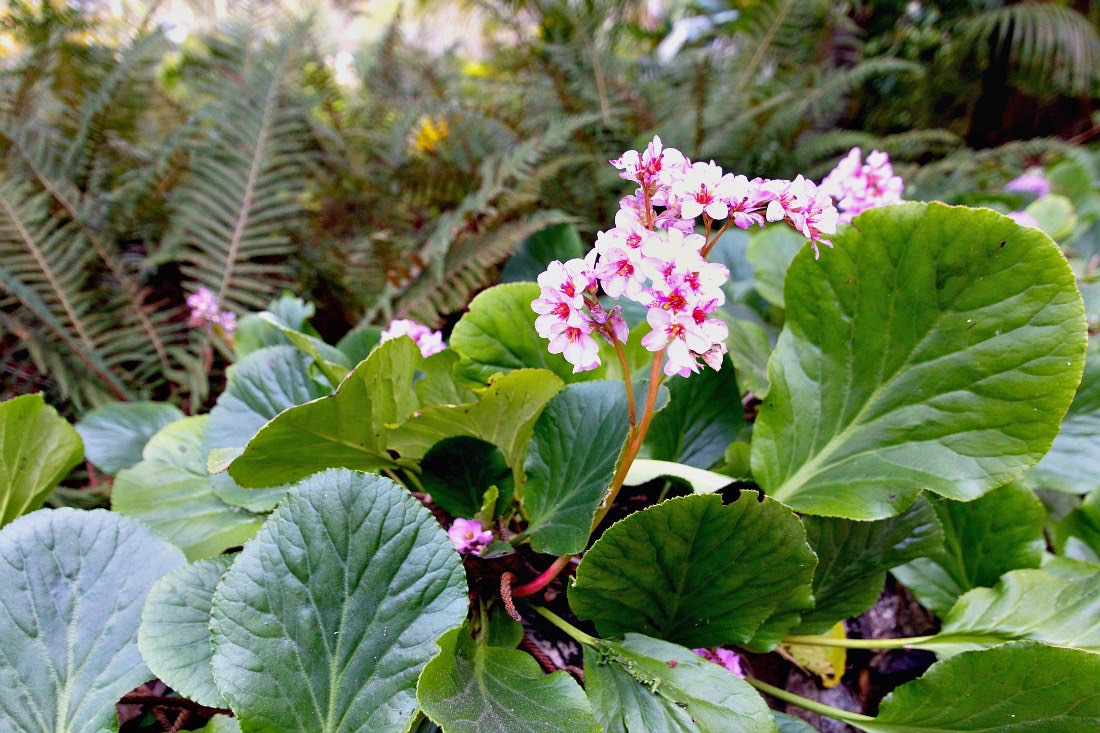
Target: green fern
[234,212]
[1049,45]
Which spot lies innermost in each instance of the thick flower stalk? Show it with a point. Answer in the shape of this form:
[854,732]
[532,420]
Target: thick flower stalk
[858,186]
[655,256]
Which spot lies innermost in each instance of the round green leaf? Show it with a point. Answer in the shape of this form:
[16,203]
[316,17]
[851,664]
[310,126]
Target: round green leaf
[853,557]
[171,491]
[74,583]
[640,685]
[791,724]
[1077,535]
[38,448]
[1023,687]
[1029,605]
[1073,463]
[114,435]
[497,334]
[983,539]
[458,471]
[475,688]
[174,638]
[570,463]
[696,573]
[703,416]
[327,617]
[934,347]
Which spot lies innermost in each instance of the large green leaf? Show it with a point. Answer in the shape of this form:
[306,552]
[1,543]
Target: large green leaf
[254,333]
[171,491]
[327,617]
[570,463]
[749,349]
[174,638]
[694,572]
[1023,687]
[38,448]
[259,387]
[476,688]
[497,334]
[1073,463]
[504,416]
[771,251]
[983,539]
[1077,535]
[74,583]
[641,685]
[703,416]
[346,429]
[934,347]
[1027,605]
[853,557]
[458,471]
[114,435]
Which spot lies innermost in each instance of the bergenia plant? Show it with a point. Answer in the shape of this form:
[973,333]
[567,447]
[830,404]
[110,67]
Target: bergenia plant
[654,491]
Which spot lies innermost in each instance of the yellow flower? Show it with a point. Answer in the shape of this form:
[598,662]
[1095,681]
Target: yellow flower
[429,133]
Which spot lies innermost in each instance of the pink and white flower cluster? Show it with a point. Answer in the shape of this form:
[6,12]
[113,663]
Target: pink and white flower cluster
[654,256]
[858,186]
[429,341]
[205,311]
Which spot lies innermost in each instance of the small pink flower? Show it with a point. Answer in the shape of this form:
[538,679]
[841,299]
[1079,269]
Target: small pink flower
[576,344]
[808,210]
[857,187]
[429,341]
[656,166]
[205,312]
[679,335]
[467,535]
[703,190]
[1030,182]
[724,657]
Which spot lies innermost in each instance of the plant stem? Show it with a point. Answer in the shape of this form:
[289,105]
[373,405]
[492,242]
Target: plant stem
[626,378]
[811,705]
[572,631]
[901,643]
[543,580]
[411,477]
[634,441]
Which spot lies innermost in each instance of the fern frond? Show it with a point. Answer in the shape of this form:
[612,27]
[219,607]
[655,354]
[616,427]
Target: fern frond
[470,265]
[41,265]
[1047,43]
[234,212]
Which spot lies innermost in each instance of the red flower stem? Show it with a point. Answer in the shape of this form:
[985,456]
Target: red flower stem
[543,580]
[710,244]
[634,442]
[626,378]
